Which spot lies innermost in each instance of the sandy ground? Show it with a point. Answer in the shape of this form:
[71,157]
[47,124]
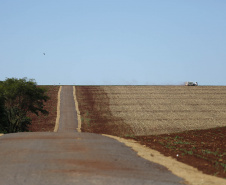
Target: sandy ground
[190,174]
[58,111]
[77,110]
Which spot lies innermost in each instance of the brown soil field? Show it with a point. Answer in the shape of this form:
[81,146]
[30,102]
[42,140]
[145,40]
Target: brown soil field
[187,123]
[42,123]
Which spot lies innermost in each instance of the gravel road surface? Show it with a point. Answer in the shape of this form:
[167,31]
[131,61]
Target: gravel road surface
[68,157]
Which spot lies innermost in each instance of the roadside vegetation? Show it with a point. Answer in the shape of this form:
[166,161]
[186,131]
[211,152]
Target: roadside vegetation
[18,98]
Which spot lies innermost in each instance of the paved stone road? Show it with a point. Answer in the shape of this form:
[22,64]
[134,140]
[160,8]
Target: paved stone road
[69,157]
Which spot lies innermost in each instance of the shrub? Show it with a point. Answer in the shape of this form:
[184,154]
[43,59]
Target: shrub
[17,98]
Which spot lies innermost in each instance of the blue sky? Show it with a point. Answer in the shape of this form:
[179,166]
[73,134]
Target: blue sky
[114,42]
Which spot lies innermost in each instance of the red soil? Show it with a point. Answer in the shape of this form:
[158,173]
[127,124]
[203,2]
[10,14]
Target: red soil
[202,149]
[42,123]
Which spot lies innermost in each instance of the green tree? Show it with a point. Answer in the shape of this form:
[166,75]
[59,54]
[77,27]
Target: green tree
[17,98]
[2,112]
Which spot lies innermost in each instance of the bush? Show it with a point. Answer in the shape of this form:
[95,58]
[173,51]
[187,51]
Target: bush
[17,98]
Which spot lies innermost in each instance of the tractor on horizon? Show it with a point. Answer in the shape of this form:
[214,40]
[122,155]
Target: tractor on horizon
[191,83]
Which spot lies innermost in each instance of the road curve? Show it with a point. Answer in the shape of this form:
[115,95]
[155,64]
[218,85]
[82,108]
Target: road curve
[68,157]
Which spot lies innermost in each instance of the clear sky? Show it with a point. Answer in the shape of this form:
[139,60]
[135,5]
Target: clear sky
[107,42]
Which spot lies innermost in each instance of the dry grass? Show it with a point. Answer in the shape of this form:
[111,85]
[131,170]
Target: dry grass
[152,110]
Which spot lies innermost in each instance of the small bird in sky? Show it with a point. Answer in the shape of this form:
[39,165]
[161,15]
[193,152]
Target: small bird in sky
[44,53]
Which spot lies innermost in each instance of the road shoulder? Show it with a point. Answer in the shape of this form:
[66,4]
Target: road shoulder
[77,110]
[58,111]
[190,174]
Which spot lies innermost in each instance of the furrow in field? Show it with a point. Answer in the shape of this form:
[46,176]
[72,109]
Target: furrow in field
[151,110]
[164,109]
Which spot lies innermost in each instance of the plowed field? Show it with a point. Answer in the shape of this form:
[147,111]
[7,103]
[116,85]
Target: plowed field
[46,123]
[162,118]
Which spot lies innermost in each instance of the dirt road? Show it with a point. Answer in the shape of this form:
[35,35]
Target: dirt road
[68,157]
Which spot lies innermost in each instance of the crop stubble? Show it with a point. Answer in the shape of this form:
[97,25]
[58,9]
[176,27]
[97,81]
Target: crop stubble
[95,114]
[152,110]
[162,117]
